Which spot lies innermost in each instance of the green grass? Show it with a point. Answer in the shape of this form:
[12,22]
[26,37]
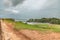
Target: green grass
[19,25]
[42,27]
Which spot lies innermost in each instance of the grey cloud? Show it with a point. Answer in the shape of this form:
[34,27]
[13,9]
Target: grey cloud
[50,9]
[10,3]
[16,2]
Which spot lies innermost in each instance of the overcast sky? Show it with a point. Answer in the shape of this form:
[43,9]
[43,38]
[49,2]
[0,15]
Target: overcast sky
[29,8]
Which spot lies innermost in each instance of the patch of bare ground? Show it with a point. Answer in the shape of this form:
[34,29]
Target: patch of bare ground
[38,35]
[9,33]
[21,35]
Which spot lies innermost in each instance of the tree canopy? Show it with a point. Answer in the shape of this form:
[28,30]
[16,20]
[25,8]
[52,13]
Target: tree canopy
[46,20]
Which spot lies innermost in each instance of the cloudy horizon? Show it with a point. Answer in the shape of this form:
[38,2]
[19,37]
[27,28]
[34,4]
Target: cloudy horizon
[20,9]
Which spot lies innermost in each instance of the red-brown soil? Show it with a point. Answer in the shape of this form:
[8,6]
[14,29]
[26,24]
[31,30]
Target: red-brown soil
[37,35]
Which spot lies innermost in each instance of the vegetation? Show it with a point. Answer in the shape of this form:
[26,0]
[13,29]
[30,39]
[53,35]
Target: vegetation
[46,20]
[42,26]
[8,20]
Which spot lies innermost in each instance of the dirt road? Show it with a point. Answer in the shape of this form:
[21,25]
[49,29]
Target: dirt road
[8,33]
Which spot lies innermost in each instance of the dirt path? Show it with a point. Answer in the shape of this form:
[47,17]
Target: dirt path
[8,33]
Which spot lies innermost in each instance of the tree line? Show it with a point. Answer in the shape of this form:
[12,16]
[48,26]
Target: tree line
[46,20]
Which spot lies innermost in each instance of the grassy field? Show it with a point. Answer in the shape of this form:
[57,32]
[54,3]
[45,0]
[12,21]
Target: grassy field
[42,27]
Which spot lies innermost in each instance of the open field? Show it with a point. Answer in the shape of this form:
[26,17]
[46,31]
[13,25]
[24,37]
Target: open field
[24,31]
[42,27]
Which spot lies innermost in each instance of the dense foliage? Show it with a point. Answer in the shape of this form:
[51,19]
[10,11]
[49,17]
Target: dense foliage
[46,20]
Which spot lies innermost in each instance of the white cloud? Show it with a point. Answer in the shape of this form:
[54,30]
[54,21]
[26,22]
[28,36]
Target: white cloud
[12,10]
[15,11]
[32,4]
